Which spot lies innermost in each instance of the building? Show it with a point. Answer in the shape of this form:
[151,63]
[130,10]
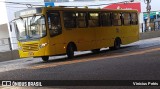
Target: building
[3,21]
[8,7]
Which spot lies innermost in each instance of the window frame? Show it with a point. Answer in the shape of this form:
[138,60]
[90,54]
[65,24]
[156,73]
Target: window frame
[136,23]
[74,19]
[124,19]
[85,19]
[120,18]
[98,25]
[101,19]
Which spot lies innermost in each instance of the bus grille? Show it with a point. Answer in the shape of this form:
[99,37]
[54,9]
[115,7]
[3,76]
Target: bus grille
[30,47]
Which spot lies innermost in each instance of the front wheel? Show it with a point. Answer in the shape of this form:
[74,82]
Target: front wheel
[45,58]
[70,51]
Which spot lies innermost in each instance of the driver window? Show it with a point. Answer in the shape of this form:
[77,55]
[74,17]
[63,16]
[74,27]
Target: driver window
[54,24]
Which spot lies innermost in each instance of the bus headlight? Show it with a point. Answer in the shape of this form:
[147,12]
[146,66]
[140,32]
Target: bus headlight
[42,45]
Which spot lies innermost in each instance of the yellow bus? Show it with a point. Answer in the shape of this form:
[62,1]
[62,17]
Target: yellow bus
[48,31]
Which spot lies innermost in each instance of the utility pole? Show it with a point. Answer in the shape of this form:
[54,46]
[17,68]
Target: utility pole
[148,8]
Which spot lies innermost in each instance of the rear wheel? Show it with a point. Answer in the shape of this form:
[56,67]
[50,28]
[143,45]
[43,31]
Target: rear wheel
[70,51]
[45,58]
[117,45]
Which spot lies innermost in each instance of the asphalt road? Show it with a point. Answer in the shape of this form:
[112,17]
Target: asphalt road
[139,64]
[131,62]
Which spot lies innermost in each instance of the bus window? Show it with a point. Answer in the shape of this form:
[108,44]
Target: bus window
[117,19]
[126,18]
[81,20]
[93,20]
[106,19]
[54,24]
[134,18]
[69,20]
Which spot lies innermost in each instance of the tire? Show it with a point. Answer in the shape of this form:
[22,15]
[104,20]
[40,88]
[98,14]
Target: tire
[70,51]
[95,51]
[117,45]
[45,58]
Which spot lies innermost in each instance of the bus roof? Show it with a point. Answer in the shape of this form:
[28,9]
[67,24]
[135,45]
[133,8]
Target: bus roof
[38,10]
[86,9]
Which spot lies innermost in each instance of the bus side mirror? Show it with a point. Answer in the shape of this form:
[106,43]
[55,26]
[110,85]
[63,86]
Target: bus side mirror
[10,27]
[11,23]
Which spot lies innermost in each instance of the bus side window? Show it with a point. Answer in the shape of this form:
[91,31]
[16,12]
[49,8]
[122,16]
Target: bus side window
[106,19]
[126,18]
[54,24]
[117,19]
[93,20]
[69,19]
[81,20]
[134,18]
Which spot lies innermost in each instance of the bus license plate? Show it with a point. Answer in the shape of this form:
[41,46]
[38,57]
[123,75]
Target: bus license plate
[30,54]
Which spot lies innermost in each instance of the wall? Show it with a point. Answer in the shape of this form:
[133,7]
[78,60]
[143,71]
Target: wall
[3,21]
[4,31]
[4,35]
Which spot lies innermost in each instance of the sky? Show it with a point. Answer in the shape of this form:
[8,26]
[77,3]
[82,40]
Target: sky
[154,5]
[3,16]
[3,13]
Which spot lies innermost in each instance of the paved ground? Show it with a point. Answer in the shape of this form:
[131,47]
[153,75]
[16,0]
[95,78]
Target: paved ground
[136,61]
[124,64]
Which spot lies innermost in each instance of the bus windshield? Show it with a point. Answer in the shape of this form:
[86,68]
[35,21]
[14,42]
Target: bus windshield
[30,28]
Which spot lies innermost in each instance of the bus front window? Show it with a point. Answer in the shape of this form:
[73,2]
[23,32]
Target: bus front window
[30,28]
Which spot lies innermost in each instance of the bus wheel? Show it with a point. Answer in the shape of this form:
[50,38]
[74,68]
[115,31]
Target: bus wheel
[117,44]
[70,51]
[95,51]
[45,58]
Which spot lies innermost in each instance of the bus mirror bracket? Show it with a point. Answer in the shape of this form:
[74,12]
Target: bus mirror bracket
[10,26]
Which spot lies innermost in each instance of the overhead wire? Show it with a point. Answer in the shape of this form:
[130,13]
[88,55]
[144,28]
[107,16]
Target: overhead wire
[31,5]
[21,3]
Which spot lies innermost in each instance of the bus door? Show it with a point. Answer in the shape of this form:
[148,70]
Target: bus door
[55,32]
